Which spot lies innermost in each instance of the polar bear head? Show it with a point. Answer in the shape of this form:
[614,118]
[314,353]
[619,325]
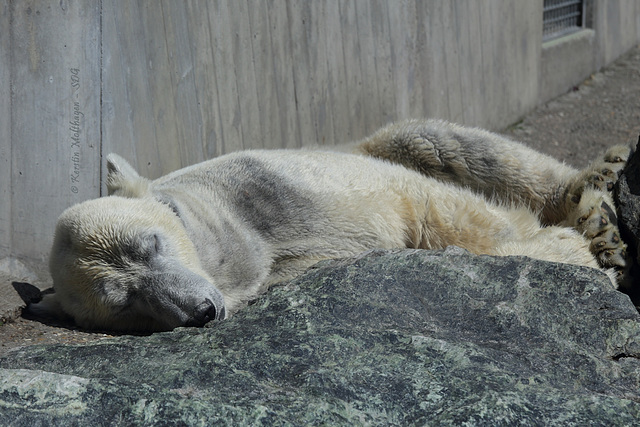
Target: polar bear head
[122,263]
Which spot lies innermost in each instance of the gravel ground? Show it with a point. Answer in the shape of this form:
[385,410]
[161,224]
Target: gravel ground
[604,110]
[576,127]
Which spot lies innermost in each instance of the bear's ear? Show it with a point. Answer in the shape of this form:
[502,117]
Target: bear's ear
[47,309]
[122,178]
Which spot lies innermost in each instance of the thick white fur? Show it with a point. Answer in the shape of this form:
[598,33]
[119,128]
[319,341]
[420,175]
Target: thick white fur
[239,223]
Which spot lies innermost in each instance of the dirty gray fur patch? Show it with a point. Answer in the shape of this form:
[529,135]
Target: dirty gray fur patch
[481,161]
[265,199]
[478,160]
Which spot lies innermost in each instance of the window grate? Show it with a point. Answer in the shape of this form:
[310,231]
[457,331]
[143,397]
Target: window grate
[561,17]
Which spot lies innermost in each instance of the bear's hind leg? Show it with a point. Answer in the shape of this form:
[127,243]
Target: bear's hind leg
[501,169]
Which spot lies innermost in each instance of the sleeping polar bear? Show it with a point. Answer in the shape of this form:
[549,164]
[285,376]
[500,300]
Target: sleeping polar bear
[198,244]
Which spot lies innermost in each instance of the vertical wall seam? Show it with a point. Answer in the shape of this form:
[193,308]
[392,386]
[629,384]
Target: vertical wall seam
[11,252]
[100,115]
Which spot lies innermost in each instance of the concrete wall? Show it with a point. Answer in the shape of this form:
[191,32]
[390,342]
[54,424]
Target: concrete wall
[170,83]
[222,76]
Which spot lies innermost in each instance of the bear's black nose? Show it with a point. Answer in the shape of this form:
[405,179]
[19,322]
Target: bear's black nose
[206,312]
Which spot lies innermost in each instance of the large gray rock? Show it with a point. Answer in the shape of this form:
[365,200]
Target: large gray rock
[403,337]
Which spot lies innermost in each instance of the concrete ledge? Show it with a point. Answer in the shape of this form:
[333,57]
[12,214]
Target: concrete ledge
[565,62]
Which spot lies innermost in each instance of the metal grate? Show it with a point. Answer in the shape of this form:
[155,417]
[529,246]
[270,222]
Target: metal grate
[561,17]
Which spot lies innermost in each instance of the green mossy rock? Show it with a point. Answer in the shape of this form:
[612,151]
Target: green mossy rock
[401,337]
